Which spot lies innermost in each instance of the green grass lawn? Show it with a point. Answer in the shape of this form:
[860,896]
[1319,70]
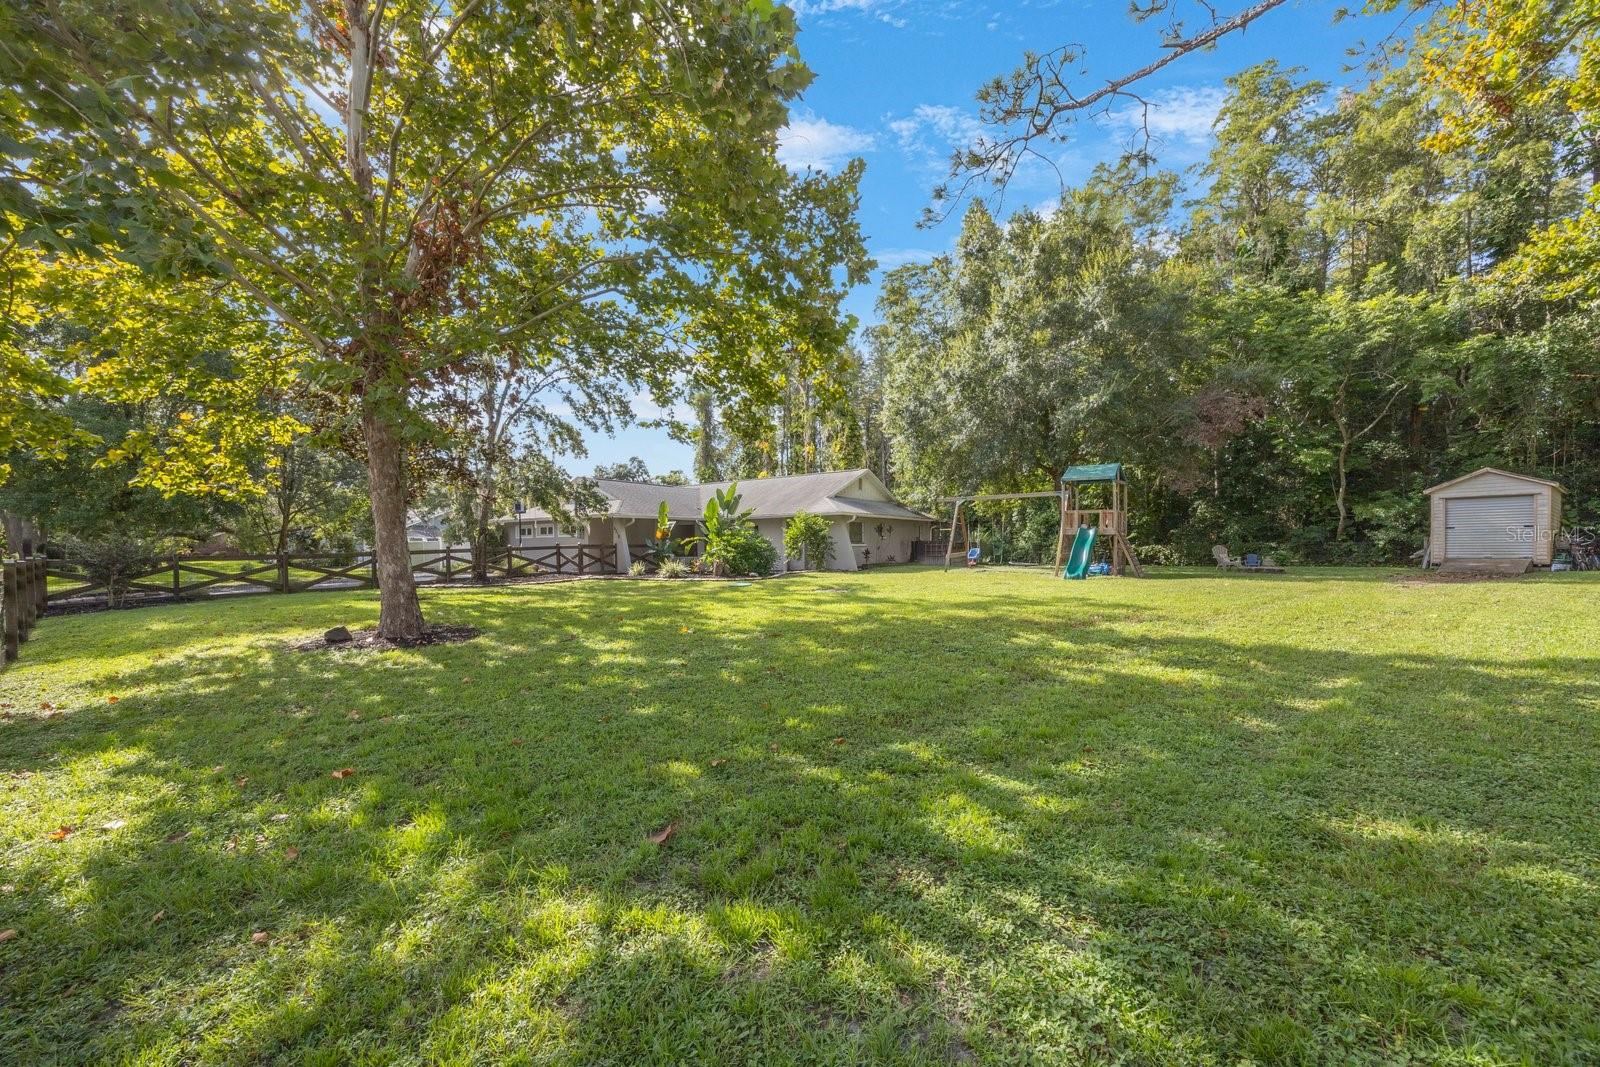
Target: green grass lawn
[920,818]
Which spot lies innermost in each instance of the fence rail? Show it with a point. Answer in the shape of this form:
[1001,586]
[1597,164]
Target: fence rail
[934,550]
[23,601]
[195,577]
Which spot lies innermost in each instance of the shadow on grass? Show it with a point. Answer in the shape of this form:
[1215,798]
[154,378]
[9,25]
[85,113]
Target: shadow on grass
[1006,831]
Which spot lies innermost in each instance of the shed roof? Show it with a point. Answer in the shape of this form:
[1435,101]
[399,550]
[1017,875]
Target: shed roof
[1092,472]
[1492,470]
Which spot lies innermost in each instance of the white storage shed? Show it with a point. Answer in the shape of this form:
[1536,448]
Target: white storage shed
[1495,514]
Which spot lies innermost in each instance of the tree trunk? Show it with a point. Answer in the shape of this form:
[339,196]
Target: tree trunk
[480,541]
[399,614]
[1343,488]
[281,554]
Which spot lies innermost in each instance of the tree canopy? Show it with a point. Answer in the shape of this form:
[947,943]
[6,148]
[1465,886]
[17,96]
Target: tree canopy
[587,194]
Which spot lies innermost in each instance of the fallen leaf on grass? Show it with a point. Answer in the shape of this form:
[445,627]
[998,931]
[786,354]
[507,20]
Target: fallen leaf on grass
[517,741]
[218,769]
[661,835]
[45,705]
[8,888]
[838,740]
[7,935]
[112,700]
[718,762]
[343,772]
[353,715]
[241,781]
[291,854]
[605,718]
[62,832]
[260,937]
[174,838]
[158,916]
[114,824]
[232,844]
[282,816]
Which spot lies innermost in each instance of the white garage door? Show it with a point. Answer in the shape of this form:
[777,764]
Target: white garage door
[1489,527]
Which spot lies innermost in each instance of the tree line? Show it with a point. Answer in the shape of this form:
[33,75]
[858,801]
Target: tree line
[1362,291]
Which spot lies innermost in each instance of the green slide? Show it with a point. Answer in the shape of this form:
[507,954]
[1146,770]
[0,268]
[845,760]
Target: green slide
[1078,561]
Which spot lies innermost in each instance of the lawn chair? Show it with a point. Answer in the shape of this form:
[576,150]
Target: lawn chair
[1251,564]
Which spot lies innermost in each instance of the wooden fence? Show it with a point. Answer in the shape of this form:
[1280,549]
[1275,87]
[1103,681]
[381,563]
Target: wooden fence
[933,551]
[194,577]
[23,601]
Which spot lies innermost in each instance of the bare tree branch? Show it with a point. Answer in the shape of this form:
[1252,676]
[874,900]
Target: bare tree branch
[1035,102]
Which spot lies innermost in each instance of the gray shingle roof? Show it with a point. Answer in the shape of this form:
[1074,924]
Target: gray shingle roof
[769,498]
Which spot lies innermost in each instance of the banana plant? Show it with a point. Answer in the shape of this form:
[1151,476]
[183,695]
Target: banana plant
[721,521]
[661,546]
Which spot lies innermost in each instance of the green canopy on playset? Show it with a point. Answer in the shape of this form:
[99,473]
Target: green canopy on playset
[1092,472]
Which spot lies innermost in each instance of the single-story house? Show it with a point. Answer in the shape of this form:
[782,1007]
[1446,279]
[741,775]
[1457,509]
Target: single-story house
[1493,514]
[869,525]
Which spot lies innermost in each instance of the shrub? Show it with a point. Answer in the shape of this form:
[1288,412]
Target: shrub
[741,550]
[810,536]
[636,569]
[115,562]
[673,568]
[1158,555]
[731,542]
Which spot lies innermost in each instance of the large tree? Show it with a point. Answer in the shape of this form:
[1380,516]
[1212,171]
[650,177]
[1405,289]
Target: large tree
[407,185]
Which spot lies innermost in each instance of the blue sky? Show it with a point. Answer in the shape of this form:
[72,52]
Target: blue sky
[894,85]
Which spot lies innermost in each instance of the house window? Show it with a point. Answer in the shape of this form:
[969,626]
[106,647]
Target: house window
[858,536]
[524,531]
[547,529]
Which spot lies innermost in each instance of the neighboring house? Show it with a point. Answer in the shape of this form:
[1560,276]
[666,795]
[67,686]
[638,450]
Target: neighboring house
[425,533]
[869,525]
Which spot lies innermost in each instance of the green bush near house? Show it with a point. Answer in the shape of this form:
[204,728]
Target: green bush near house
[742,550]
[809,536]
[901,816]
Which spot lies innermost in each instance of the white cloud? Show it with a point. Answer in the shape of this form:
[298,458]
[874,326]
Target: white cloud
[810,141]
[1183,113]
[890,258]
[950,127]
[804,8]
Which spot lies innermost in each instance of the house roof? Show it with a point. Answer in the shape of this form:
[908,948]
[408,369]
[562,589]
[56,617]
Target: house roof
[767,498]
[1492,470]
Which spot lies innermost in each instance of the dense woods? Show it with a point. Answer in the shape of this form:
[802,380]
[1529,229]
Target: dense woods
[1358,294]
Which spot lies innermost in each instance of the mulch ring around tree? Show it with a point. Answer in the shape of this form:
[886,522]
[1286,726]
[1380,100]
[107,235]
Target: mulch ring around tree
[368,640]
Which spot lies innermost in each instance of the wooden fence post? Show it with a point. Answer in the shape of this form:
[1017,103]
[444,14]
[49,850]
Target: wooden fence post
[44,583]
[177,575]
[27,599]
[12,637]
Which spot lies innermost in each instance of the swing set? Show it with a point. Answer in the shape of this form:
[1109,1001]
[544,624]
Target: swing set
[1107,522]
